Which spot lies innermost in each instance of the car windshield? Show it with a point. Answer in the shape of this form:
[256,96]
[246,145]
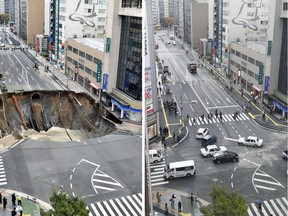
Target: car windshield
[257,139]
[218,149]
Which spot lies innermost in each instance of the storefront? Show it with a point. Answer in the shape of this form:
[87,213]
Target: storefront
[278,107]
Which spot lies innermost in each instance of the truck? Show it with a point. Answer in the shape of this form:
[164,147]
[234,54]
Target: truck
[192,67]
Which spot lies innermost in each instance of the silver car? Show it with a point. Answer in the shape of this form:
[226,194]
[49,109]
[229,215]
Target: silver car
[250,141]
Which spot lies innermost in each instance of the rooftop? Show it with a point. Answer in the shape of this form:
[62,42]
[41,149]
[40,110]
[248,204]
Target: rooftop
[258,46]
[96,43]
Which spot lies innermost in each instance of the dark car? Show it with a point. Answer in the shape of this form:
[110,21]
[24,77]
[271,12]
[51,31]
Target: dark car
[284,154]
[226,156]
[209,140]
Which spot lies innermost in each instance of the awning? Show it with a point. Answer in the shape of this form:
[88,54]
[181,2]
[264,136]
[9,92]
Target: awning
[119,100]
[94,86]
[256,88]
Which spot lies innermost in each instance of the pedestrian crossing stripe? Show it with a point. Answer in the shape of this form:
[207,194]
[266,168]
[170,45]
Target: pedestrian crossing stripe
[157,173]
[214,119]
[3,180]
[103,182]
[124,206]
[275,207]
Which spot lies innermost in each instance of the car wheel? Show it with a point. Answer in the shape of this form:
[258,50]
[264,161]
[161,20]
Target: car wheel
[156,161]
[171,177]
[234,160]
[255,146]
[240,143]
[188,175]
[218,161]
[208,155]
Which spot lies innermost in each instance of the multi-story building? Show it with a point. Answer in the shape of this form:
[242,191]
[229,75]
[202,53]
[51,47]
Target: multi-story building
[176,12]
[83,19]
[122,68]
[42,44]
[180,29]
[2,6]
[155,13]
[187,21]
[237,21]
[83,62]
[35,20]
[10,8]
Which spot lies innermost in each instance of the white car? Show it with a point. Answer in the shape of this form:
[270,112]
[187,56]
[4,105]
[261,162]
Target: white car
[202,132]
[250,141]
[210,150]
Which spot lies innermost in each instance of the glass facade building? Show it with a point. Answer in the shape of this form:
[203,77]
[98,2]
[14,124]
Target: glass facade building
[129,78]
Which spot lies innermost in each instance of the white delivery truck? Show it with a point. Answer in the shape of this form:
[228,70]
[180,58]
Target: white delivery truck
[155,156]
[180,169]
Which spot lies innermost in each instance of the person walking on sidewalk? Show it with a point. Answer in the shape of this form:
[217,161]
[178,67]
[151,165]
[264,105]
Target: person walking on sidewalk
[166,209]
[19,201]
[179,206]
[13,212]
[158,196]
[13,198]
[160,130]
[192,198]
[172,200]
[164,144]
[178,138]
[175,111]
[4,202]
[0,197]
[173,136]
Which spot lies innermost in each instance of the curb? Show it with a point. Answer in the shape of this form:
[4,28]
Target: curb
[41,203]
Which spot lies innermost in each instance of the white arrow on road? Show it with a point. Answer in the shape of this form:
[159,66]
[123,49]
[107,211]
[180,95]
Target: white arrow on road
[217,100]
[226,138]
[228,100]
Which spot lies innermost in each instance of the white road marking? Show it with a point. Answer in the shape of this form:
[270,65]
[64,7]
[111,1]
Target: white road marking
[108,208]
[99,140]
[185,95]
[276,208]
[267,205]
[191,107]
[231,139]
[85,143]
[180,86]
[71,186]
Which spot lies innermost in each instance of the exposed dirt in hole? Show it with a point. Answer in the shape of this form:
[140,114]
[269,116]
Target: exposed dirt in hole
[52,115]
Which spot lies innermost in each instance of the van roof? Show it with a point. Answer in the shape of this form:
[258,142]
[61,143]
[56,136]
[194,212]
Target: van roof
[153,151]
[182,164]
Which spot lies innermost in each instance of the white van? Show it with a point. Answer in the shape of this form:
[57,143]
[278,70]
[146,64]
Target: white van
[180,169]
[155,156]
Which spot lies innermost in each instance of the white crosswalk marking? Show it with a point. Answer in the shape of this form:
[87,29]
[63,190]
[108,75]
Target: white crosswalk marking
[3,180]
[122,206]
[277,206]
[157,173]
[225,118]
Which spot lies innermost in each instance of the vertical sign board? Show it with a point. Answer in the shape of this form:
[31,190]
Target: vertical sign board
[260,77]
[108,43]
[105,81]
[56,42]
[269,48]
[99,70]
[266,86]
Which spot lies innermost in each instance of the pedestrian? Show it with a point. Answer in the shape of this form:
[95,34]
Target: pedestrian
[158,195]
[160,90]
[188,117]
[13,212]
[194,120]
[263,115]
[164,144]
[234,81]
[0,197]
[19,209]
[4,202]
[192,198]
[160,130]
[19,201]
[216,114]
[179,206]
[166,209]
[13,199]
[220,116]
[178,138]
[172,200]
[202,117]
[242,92]
[175,111]
[173,136]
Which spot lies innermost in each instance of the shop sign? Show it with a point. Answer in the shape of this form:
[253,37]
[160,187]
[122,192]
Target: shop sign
[98,73]
[266,86]
[105,81]
[260,76]
[108,43]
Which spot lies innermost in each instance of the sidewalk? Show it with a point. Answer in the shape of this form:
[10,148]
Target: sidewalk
[30,206]
[187,208]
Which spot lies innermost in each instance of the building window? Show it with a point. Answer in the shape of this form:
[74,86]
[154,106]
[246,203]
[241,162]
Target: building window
[89,57]
[94,74]
[75,51]
[81,66]
[263,30]
[225,4]
[132,3]
[233,51]
[96,61]
[256,76]
[244,57]
[251,60]
[238,54]
[264,22]
[75,63]
[102,11]
[101,19]
[237,65]
[285,5]
[69,48]
[232,62]
[82,54]
[69,59]
[250,73]
[244,69]
[88,70]
[129,74]
[258,63]
[88,2]
[251,14]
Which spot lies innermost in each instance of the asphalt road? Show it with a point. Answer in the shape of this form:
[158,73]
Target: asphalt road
[96,169]
[260,173]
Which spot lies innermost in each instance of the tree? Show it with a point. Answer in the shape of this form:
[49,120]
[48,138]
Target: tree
[225,202]
[169,21]
[64,205]
[4,18]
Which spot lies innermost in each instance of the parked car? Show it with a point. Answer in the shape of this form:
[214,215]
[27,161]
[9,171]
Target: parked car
[284,154]
[201,133]
[169,42]
[210,150]
[250,141]
[226,156]
[209,140]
